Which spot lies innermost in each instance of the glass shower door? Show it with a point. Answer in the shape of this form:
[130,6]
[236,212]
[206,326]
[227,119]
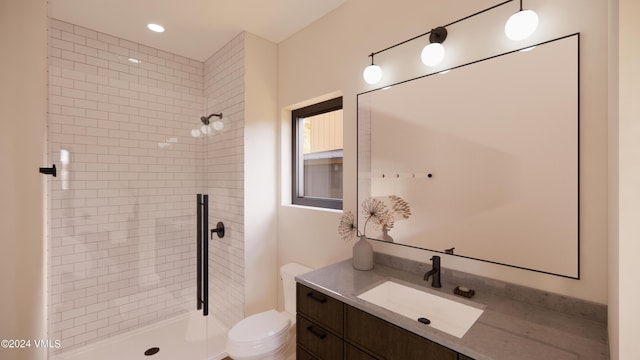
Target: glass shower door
[132,153]
[210,230]
[122,217]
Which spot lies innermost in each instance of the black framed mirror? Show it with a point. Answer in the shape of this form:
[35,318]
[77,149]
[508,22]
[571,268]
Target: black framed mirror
[487,156]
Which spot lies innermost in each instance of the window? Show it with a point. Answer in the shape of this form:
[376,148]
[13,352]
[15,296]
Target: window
[317,155]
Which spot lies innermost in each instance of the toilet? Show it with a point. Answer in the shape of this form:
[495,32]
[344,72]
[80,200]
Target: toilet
[265,336]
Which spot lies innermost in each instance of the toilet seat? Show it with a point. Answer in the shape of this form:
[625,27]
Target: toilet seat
[258,334]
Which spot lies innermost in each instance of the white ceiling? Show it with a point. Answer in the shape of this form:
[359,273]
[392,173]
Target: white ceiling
[194,28]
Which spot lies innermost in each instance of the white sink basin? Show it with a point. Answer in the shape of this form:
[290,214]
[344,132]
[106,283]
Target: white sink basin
[446,315]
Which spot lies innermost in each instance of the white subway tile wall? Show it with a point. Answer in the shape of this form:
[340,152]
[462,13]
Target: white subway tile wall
[122,209]
[224,93]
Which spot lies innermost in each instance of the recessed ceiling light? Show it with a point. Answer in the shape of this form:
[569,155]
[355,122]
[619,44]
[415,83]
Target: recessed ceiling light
[134,60]
[155,27]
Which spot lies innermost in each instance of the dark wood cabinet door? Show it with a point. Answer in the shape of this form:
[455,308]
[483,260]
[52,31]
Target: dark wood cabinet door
[464,357]
[320,308]
[353,353]
[389,341]
[318,340]
[301,354]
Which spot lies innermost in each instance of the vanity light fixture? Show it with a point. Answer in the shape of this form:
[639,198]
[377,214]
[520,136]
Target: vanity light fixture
[433,54]
[155,27]
[521,24]
[524,22]
[372,73]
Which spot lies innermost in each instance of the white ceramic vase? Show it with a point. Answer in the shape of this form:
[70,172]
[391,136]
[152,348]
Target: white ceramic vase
[362,254]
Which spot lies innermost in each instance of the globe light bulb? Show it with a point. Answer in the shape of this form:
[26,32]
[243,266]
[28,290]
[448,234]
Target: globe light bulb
[206,129]
[432,54]
[372,74]
[521,25]
[217,125]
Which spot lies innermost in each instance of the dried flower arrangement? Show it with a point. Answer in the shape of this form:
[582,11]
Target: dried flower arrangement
[376,211]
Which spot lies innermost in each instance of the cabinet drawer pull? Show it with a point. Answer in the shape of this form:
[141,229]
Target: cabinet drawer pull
[321,300]
[315,332]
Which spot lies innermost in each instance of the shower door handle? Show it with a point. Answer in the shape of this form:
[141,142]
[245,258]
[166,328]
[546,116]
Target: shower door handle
[205,255]
[202,262]
[199,252]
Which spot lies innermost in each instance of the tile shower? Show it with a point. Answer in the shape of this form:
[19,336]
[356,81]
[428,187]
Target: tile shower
[121,242]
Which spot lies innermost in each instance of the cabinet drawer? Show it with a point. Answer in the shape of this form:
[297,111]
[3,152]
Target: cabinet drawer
[389,341]
[353,353]
[320,308]
[317,340]
[301,354]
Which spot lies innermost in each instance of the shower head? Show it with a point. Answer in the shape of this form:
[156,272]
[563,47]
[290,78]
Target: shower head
[205,119]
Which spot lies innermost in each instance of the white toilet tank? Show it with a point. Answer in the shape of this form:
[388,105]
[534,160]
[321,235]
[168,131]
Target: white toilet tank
[289,272]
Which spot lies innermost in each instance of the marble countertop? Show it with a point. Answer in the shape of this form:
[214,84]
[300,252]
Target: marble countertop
[509,328]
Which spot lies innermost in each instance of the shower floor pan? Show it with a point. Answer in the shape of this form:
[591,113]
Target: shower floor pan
[176,338]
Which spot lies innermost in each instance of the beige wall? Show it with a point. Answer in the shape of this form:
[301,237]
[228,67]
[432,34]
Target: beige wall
[624,288]
[328,58]
[260,173]
[613,260]
[23,126]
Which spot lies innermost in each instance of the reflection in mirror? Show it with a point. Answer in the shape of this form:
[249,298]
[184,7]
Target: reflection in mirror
[485,154]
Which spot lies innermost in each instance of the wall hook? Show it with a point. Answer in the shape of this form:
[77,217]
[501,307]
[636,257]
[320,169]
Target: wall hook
[49,171]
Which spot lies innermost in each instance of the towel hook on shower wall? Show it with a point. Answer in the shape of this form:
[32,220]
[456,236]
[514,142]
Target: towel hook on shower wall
[219,230]
[49,171]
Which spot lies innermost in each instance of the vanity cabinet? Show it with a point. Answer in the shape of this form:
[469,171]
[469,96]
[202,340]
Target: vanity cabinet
[319,325]
[327,329]
[389,341]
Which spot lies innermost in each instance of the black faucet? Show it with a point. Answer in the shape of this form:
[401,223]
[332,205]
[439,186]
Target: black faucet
[435,272]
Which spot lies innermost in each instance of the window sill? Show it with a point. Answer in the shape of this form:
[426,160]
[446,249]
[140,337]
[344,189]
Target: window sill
[312,208]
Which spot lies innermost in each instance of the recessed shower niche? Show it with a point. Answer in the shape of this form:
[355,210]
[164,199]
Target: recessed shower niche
[486,154]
